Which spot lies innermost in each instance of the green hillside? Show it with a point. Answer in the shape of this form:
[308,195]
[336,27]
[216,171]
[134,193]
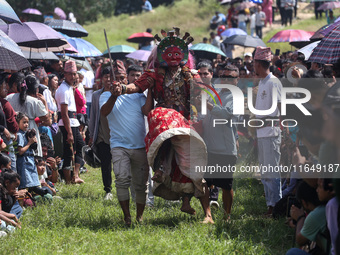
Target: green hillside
[188,15]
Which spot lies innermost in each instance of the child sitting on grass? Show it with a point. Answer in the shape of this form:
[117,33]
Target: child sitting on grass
[45,183]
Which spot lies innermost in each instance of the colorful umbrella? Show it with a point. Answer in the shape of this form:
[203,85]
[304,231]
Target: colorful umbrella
[11,56]
[32,11]
[330,28]
[35,36]
[232,31]
[7,13]
[61,14]
[291,35]
[40,55]
[67,27]
[307,50]
[328,50]
[205,50]
[245,41]
[140,37]
[141,55]
[119,51]
[329,6]
[318,35]
[84,48]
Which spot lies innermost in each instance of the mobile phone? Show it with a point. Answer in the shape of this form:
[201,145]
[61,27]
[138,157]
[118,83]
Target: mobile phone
[277,52]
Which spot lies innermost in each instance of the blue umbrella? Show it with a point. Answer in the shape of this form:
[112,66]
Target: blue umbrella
[119,51]
[11,56]
[233,31]
[208,51]
[7,13]
[84,48]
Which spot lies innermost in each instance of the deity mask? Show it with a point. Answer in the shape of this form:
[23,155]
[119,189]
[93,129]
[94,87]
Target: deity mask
[172,50]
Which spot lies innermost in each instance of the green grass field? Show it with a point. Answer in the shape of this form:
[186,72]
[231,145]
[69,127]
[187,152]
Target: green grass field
[83,223]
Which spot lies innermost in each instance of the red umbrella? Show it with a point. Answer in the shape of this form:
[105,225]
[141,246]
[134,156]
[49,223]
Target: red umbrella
[329,6]
[140,37]
[291,35]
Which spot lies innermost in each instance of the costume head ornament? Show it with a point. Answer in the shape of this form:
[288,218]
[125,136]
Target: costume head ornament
[173,44]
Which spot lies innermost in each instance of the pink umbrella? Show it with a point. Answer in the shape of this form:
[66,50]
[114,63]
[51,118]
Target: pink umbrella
[32,11]
[291,35]
[60,13]
[329,6]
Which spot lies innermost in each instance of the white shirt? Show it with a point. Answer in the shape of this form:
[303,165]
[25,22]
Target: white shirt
[264,102]
[49,99]
[65,95]
[88,82]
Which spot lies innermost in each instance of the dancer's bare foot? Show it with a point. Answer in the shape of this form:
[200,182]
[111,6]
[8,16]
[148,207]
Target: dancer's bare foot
[188,209]
[158,176]
[77,180]
[208,220]
[139,219]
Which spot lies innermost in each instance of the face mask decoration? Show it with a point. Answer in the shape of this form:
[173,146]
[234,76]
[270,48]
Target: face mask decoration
[173,51]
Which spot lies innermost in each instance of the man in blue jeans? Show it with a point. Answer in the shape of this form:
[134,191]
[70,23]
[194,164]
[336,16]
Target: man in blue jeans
[269,134]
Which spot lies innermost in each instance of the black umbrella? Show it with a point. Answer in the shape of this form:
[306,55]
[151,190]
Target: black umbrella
[68,28]
[245,41]
[300,44]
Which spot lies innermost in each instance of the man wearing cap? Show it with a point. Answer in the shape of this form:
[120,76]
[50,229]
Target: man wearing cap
[68,123]
[269,135]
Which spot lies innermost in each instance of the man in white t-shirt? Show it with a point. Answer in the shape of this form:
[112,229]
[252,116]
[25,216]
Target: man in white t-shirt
[69,124]
[269,135]
[90,87]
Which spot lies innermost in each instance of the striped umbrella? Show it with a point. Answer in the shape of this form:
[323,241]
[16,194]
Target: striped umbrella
[328,50]
[11,56]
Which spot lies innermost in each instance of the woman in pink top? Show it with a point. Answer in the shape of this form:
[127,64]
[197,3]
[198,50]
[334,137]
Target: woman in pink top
[79,98]
[268,10]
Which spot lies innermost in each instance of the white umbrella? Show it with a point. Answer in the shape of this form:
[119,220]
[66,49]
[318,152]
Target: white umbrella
[308,49]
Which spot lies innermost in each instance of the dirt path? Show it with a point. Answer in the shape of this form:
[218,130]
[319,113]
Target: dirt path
[305,11]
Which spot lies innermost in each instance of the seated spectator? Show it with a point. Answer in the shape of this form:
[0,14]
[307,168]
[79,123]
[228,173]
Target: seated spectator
[310,229]
[9,182]
[5,161]
[147,6]
[52,163]
[44,182]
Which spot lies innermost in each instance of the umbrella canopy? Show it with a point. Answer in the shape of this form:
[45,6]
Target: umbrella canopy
[318,34]
[7,13]
[307,50]
[40,55]
[141,55]
[328,50]
[32,11]
[11,56]
[223,2]
[330,28]
[329,6]
[300,44]
[119,51]
[61,14]
[245,41]
[245,5]
[37,36]
[68,28]
[140,37]
[84,48]
[208,51]
[291,35]
[232,31]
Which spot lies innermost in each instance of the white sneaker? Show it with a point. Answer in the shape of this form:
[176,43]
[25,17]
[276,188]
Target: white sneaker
[108,196]
[3,233]
[214,204]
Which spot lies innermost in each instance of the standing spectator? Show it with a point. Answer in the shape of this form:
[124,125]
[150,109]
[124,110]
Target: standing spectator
[42,77]
[100,134]
[215,40]
[90,87]
[281,5]
[289,8]
[221,142]
[33,104]
[242,18]
[268,10]
[260,17]
[252,23]
[269,136]
[14,83]
[69,124]
[331,19]
[230,19]
[56,67]
[147,6]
